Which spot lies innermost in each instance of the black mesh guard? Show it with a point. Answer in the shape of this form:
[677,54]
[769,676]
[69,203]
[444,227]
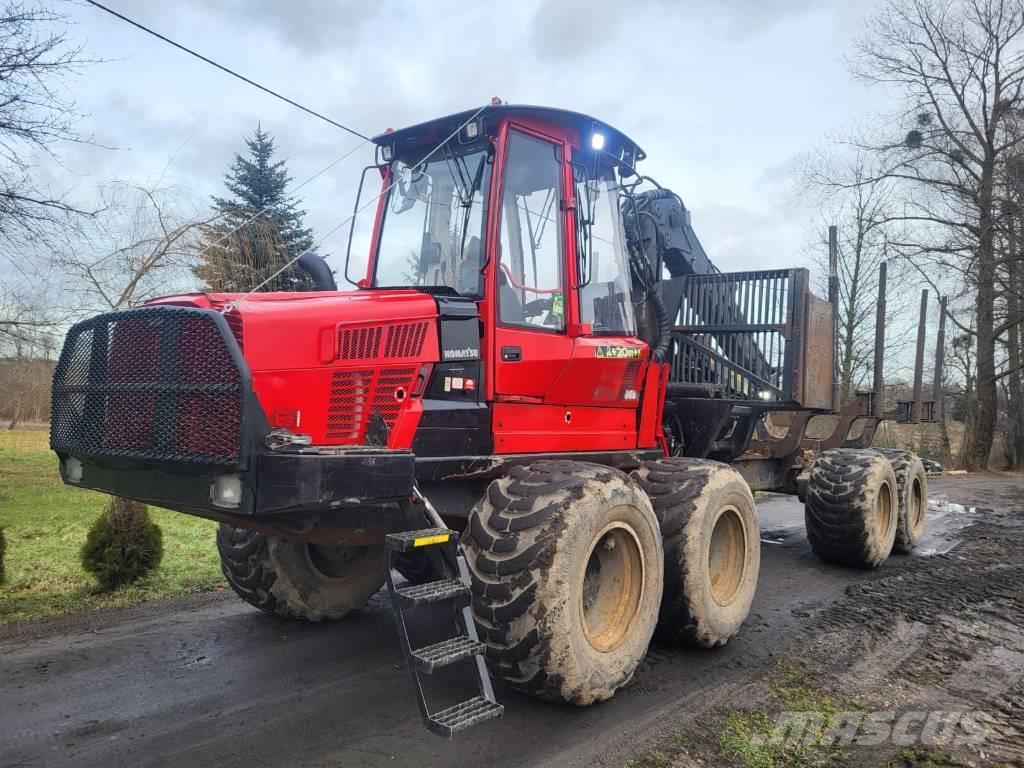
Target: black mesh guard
[155,384]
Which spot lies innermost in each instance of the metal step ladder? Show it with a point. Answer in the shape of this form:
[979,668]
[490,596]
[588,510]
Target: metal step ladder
[423,543]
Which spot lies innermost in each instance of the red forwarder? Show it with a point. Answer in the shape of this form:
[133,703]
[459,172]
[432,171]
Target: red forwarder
[540,363]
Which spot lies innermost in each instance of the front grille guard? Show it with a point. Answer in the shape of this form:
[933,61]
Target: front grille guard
[153,385]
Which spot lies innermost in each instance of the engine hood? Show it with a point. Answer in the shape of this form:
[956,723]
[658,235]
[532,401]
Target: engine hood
[307,330]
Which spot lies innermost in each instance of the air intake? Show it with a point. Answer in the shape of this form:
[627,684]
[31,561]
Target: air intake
[356,395]
[403,340]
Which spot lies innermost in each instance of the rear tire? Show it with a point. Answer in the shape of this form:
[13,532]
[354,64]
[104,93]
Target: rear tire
[566,566]
[912,490]
[851,507]
[297,580]
[712,543]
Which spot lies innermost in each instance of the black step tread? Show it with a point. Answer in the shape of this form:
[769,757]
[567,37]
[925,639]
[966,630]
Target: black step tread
[465,714]
[406,540]
[432,592]
[446,652]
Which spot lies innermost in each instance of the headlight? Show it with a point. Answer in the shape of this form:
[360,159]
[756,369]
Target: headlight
[226,491]
[72,470]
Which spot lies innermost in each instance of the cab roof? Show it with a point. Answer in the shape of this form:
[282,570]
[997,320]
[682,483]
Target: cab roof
[432,132]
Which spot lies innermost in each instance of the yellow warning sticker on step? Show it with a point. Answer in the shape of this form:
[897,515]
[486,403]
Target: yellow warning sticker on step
[426,541]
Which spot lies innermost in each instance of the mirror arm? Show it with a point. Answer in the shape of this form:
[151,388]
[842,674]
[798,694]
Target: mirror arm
[352,225]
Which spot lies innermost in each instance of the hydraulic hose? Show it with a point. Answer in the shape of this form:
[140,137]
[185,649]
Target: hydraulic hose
[660,351]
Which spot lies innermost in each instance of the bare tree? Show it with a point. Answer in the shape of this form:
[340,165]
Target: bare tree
[36,58]
[26,321]
[958,66]
[141,244]
[36,116]
[850,194]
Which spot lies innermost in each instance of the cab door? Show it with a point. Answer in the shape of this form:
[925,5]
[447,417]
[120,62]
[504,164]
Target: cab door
[531,345]
[605,378]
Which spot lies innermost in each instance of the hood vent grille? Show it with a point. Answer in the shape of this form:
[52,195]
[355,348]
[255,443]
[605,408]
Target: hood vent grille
[403,340]
[356,395]
[359,343]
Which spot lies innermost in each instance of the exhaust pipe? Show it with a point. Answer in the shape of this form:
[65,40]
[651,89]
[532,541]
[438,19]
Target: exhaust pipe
[317,270]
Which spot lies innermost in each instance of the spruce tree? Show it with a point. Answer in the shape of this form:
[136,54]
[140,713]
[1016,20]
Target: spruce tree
[238,254]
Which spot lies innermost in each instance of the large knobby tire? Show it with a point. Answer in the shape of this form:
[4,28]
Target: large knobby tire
[297,580]
[851,507]
[566,567]
[912,490]
[712,541]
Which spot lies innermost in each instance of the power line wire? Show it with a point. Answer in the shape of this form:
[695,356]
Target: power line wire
[221,67]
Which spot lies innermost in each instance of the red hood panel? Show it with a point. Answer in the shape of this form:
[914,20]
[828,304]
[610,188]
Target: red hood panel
[323,363]
[284,331]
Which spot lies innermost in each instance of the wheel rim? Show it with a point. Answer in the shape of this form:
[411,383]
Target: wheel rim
[883,509]
[612,587]
[331,562]
[727,555]
[916,506]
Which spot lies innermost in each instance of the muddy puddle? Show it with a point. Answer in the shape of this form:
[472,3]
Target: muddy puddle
[945,521]
[782,522]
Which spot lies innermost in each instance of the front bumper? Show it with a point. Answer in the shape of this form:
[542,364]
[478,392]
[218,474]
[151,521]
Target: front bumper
[279,482]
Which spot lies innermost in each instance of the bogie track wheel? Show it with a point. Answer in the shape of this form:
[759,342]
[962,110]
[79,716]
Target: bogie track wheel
[851,507]
[912,490]
[712,543]
[566,566]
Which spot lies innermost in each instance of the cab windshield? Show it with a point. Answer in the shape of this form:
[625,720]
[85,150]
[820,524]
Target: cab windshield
[604,291]
[433,223]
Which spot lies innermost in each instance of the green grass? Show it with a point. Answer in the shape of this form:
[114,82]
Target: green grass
[751,737]
[45,524]
[923,757]
[789,687]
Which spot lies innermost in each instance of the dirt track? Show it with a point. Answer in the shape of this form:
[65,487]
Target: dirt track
[210,681]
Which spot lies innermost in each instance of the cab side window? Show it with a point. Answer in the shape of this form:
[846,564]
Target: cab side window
[531,281]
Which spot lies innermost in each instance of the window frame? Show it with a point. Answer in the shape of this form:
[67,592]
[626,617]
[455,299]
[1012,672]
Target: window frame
[384,208]
[498,206]
[584,281]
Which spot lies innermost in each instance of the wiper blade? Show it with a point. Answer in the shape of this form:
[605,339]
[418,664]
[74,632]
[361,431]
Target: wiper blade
[477,178]
[458,176]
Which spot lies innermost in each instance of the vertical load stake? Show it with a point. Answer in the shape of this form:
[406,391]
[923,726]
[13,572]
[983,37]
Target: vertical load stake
[878,396]
[833,299]
[919,359]
[940,357]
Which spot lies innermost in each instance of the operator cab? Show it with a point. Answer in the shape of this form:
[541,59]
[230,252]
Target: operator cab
[555,188]
[517,210]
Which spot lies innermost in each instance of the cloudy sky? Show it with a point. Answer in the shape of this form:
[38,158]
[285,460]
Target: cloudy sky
[722,96]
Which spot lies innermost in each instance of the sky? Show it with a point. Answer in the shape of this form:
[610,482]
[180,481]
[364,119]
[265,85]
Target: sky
[724,97]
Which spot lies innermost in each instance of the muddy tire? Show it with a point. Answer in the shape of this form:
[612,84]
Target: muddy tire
[566,567]
[298,580]
[712,542]
[912,491]
[851,507]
